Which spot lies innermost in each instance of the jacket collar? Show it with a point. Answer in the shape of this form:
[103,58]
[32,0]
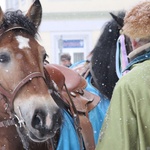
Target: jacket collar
[141,54]
[140,50]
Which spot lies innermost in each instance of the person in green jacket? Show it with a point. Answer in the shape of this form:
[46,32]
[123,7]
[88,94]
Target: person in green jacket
[127,123]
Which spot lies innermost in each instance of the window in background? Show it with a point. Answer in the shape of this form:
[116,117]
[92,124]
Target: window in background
[78,57]
[12,4]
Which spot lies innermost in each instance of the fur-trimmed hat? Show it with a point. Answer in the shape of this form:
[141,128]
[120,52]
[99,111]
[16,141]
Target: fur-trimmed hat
[137,21]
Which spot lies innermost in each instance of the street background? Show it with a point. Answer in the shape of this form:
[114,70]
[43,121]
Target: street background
[71,26]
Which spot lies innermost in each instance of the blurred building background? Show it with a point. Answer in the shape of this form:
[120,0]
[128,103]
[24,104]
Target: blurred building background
[71,26]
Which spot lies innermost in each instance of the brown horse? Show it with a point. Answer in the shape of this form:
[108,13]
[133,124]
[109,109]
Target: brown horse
[28,113]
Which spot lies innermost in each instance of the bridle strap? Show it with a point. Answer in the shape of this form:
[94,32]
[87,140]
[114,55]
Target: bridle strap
[14,28]
[11,95]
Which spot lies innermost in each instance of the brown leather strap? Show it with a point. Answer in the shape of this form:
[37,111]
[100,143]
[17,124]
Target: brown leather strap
[87,132]
[81,106]
[75,116]
[11,95]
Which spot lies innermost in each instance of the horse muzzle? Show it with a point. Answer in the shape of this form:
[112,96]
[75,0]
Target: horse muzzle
[44,127]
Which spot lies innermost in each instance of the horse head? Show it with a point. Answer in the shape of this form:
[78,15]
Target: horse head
[22,80]
[120,21]
[103,60]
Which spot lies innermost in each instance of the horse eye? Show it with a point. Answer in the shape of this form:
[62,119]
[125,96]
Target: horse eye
[4,58]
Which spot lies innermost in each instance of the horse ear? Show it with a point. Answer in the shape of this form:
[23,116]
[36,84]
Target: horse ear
[1,15]
[34,14]
[118,20]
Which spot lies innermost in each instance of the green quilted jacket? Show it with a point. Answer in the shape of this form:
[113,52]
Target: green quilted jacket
[127,123]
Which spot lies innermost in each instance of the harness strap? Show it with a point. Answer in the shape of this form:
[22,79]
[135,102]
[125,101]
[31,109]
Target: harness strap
[82,124]
[75,116]
[85,124]
[87,132]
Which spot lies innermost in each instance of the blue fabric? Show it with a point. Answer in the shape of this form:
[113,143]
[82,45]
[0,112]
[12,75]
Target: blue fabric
[138,59]
[68,136]
[121,57]
[77,63]
[97,115]
[118,66]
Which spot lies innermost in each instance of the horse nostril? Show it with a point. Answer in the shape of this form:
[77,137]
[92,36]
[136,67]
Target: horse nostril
[38,120]
[37,123]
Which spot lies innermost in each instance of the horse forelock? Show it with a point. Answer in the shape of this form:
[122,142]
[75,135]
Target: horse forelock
[17,19]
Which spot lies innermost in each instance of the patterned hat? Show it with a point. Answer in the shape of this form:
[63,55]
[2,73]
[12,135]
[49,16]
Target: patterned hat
[137,21]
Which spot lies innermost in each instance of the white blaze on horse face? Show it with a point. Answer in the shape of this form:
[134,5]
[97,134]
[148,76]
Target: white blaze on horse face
[48,120]
[23,42]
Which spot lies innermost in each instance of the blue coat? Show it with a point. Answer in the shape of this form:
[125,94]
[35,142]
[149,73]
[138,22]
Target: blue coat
[68,137]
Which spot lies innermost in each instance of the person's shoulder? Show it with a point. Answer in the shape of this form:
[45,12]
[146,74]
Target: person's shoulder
[137,76]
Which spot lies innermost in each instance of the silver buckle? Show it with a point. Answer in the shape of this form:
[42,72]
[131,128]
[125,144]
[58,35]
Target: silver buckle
[19,122]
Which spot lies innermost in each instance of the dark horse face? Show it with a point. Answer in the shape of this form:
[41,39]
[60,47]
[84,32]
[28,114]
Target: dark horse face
[22,74]
[103,67]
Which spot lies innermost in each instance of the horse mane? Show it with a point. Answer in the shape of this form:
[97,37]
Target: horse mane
[103,59]
[17,19]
